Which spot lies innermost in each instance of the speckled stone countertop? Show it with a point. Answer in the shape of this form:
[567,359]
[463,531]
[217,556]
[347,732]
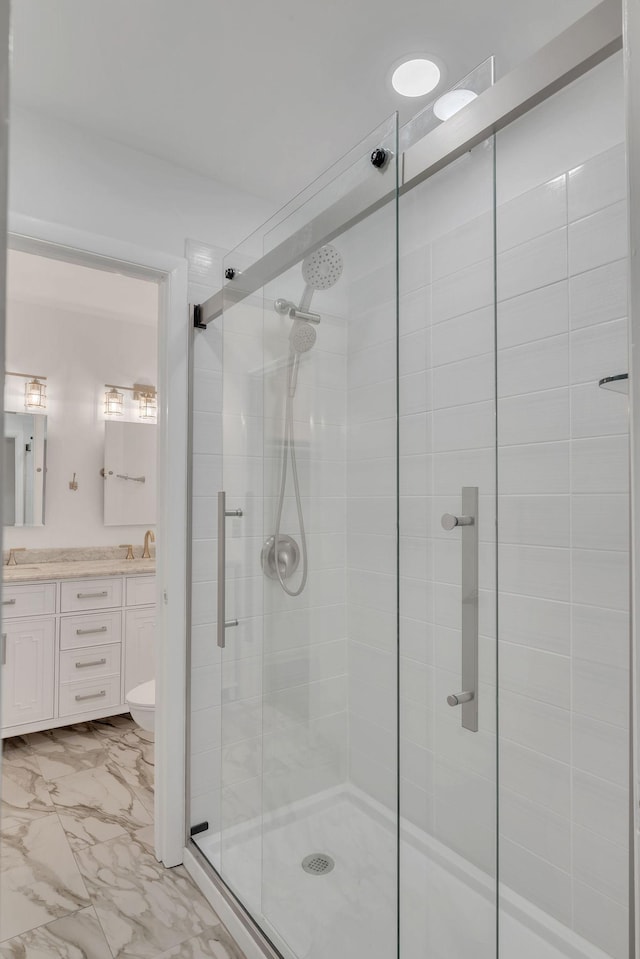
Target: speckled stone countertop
[40,565]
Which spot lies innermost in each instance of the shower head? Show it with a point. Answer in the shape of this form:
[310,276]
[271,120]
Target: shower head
[322,270]
[302,337]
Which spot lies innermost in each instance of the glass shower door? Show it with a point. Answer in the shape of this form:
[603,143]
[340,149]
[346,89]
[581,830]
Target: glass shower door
[447,704]
[355,723]
[307,617]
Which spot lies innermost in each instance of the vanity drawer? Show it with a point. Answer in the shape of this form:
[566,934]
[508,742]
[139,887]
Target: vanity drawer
[90,629]
[28,599]
[84,697]
[90,594]
[85,665]
[141,591]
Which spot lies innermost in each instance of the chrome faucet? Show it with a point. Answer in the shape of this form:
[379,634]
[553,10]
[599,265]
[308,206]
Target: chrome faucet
[149,537]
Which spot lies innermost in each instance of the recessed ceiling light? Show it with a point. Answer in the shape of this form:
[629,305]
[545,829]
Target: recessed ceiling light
[414,78]
[449,103]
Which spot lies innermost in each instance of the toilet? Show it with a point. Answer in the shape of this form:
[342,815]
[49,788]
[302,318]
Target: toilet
[142,704]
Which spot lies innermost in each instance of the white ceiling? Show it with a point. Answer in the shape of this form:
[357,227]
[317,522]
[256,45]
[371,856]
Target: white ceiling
[95,294]
[260,94]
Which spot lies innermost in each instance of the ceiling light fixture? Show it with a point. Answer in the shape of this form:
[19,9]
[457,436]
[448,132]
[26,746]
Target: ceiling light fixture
[415,77]
[449,103]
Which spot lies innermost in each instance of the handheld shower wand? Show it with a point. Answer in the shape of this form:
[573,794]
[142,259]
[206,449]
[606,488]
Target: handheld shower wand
[320,271]
[301,339]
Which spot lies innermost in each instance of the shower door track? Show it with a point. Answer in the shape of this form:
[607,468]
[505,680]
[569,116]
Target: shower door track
[258,935]
[585,44]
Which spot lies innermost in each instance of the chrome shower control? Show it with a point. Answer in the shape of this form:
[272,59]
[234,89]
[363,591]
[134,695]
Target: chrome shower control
[457,699]
[449,521]
[288,557]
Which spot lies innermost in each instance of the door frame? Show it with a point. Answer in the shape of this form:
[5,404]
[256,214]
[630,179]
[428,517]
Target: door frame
[88,249]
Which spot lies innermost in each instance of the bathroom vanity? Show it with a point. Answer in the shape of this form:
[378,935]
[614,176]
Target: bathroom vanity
[76,636]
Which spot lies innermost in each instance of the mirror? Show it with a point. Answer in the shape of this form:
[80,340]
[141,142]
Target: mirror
[130,469]
[24,469]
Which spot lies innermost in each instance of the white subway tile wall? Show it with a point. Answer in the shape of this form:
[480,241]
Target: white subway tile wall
[562,468]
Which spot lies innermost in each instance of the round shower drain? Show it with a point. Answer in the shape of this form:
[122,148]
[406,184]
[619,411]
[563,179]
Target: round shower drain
[318,864]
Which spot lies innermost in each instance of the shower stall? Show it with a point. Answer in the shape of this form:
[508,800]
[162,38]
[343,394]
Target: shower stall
[409,716]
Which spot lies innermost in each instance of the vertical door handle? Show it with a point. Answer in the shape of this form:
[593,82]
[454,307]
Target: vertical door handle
[468,698]
[223,512]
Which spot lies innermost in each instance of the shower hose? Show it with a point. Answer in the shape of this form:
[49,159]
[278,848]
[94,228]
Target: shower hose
[289,449]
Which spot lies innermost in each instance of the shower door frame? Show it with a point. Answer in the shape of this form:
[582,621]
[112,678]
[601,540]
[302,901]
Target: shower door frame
[588,42]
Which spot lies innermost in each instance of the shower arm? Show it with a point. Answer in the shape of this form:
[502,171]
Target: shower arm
[305,302]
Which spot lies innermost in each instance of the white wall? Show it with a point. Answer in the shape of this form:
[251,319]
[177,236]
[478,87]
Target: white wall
[61,174]
[79,353]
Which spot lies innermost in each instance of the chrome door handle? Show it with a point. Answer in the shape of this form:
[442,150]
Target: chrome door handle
[223,512]
[457,699]
[449,521]
[468,699]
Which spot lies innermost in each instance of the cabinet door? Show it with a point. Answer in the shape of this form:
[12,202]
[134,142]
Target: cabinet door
[28,673]
[140,647]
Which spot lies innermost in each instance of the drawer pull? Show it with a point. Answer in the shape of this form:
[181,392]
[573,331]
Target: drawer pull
[95,662]
[9,602]
[100,695]
[89,632]
[100,595]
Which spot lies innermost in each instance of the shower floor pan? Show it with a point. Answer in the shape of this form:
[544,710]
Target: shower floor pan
[448,906]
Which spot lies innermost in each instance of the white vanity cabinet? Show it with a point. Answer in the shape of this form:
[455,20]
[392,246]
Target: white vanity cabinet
[28,673]
[74,648]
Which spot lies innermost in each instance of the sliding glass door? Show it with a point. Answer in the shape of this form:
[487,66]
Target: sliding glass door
[410,716]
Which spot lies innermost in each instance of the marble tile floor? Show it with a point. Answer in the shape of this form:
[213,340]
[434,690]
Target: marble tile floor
[78,877]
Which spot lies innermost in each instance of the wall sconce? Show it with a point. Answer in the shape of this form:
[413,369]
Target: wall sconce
[113,402]
[35,394]
[35,391]
[147,403]
[145,395]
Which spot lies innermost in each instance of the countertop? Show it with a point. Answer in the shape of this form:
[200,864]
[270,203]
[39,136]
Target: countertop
[81,569]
